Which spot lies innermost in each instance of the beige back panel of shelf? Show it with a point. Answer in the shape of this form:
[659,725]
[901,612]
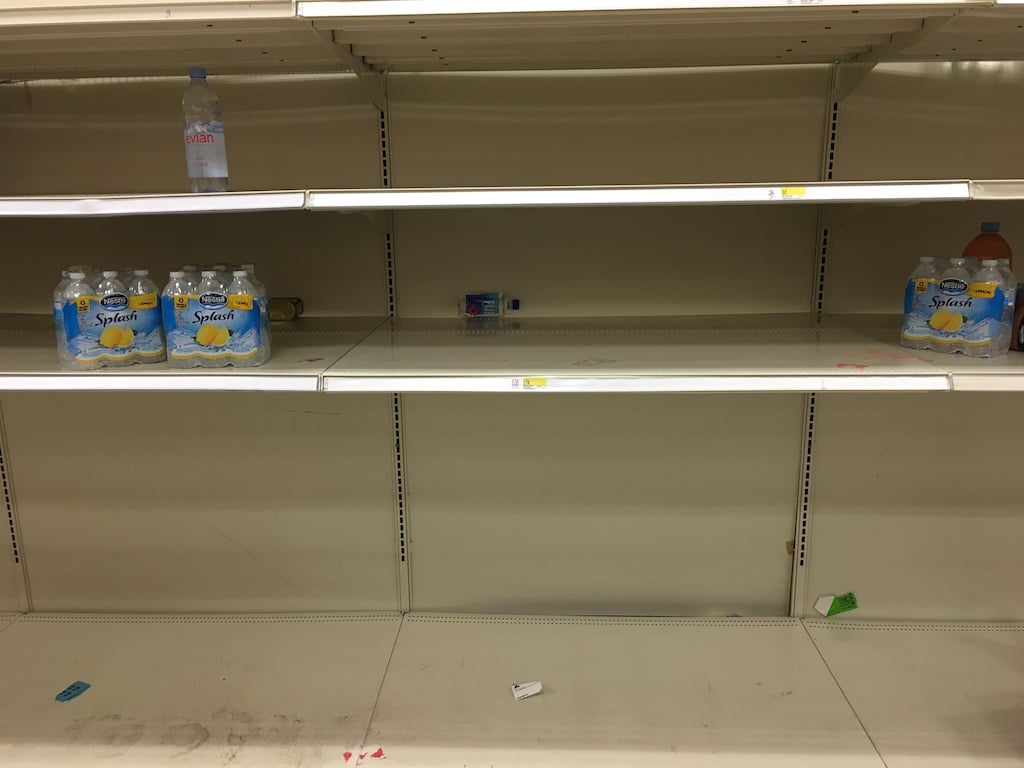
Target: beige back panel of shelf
[921,121]
[916,505]
[124,136]
[334,262]
[872,254]
[630,127]
[9,583]
[943,120]
[610,261]
[205,502]
[620,504]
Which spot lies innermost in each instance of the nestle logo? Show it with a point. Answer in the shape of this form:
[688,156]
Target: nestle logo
[212,299]
[114,301]
[953,285]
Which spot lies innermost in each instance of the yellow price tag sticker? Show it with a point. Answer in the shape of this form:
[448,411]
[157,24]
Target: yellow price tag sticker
[535,383]
[789,193]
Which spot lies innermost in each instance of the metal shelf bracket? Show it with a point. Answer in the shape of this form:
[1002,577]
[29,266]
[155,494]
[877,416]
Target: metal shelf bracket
[373,81]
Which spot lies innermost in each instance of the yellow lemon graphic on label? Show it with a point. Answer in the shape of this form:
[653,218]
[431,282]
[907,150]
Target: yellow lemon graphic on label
[207,333]
[221,338]
[939,319]
[110,337]
[126,338]
[954,324]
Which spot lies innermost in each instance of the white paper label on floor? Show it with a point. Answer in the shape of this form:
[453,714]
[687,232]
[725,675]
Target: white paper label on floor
[526,690]
[822,604]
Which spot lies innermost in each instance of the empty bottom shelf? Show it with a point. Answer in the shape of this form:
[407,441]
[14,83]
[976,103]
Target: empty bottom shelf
[321,690]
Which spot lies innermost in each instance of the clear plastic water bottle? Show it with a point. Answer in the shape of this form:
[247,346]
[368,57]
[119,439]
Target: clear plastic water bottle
[211,282]
[126,274]
[263,299]
[205,153]
[177,285]
[110,287]
[193,275]
[1011,286]
[110,284]
[144,298]
[209,289]
[989,273]
[915,316]
[957,270]
[223,272]
[58,315]
[78,286]
[140,284]
[242,292]
[954,283]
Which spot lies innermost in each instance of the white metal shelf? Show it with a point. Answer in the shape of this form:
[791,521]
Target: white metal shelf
[128,205]
[451,35]
[17,13]
[877,192]
[744,353]
[271,690]
[190,689]
[1003,373]
[931,694]
[773,353]
[274,691]
[42,39]
[301,352]
[489,197]
[689,194]
[51,39]
[665,692]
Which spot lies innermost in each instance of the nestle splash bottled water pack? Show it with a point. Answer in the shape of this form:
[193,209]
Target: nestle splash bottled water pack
[102,322]
[211,317]
[957,311]
[221,319]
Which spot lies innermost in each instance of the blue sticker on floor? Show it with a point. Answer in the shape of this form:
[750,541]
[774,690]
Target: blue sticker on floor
[73,690]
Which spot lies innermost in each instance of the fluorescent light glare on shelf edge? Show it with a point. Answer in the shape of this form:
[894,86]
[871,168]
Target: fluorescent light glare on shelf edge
[988,382]
[152,204]
[570,384]
[372,8]
[610,196]
[156,383]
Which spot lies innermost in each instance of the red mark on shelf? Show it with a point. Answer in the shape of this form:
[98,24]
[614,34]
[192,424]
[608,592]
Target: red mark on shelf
[378,754]
[858,366]
[888,355]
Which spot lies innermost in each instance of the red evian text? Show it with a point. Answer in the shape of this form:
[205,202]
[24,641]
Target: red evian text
[200,138]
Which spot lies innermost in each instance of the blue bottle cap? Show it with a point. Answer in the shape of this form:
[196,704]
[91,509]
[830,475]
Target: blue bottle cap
[197,72]
[990,226]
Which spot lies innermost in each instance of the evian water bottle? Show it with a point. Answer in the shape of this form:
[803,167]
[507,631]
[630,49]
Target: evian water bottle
[205,154]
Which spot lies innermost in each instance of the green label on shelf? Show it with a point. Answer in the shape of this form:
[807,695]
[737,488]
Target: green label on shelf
[842,604]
